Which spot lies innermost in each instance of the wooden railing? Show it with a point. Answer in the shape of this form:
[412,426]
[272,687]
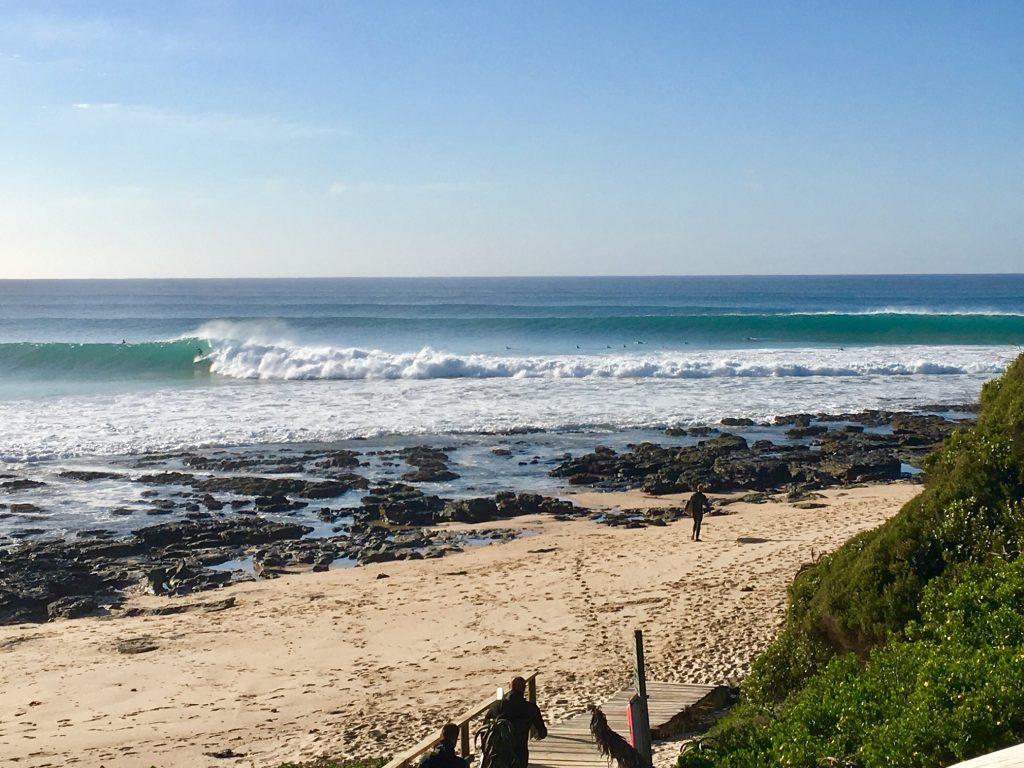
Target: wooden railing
[405,758]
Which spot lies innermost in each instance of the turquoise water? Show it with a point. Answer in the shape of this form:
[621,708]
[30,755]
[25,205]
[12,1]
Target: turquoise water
[112,367]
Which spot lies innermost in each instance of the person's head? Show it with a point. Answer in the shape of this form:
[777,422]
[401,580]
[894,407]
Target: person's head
[450,733]
[518,685]
[701,488]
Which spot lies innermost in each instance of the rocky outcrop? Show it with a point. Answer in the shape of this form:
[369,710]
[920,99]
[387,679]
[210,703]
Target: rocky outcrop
[837,453]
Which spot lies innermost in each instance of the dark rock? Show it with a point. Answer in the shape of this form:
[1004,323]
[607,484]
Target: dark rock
[88,477]
[25,533]
[11,486]
[808,431]
[280,486]
[225,754]
[339,460]
[430,473]
[71,607]
[223,532]
[166,478]
[132,645]
[730,421]
[24,509]
[863,466]
[380,556]
[478,510]
[207,606]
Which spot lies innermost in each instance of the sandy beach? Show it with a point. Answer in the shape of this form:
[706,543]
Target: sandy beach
[366,661]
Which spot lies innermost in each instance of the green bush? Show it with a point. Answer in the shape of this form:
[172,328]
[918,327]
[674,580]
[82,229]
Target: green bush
[952,690]
[905,647]
[326,761]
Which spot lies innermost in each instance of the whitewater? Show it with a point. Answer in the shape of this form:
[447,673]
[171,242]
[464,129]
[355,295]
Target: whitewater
[114,368]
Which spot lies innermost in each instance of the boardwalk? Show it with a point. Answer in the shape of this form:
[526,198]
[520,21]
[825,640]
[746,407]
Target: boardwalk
[569,744]
[1012,757]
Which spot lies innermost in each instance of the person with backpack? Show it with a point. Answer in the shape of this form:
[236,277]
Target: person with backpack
[443,755]
[515,716]
[697,506]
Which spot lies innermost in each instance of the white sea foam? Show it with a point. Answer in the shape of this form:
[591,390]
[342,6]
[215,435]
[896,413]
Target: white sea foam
[253,359]
[630,394]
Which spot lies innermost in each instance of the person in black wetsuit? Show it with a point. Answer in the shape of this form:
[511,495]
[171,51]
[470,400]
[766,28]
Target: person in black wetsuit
[697,506]
[443,755]
[524,716]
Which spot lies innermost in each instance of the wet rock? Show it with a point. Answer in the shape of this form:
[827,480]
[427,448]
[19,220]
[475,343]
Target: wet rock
[430,464]
[478,510]
[25,533]
[809,431]
[400,504]
[729,421]
[24,509]
[919,429]
[166,478]
[862,466]
[223,464]
[430,473]
[88,477]
[281,486]
[339,460]
[278,504]
[218,532]
[212,504]
[12,486]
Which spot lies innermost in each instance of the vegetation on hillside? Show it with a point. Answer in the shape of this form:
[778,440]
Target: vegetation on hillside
[906,646]
[326,761]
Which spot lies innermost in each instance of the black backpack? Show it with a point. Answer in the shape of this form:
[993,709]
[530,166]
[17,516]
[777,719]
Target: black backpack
[496,743]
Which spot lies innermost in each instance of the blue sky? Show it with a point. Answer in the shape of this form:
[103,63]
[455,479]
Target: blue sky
[150,139]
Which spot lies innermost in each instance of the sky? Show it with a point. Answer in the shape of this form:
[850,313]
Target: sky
[246,138]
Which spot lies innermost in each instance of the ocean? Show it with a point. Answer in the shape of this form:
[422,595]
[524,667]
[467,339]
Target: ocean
[97,372]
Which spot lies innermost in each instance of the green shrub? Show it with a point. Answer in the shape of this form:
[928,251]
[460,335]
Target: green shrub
[326,761]
[905,647]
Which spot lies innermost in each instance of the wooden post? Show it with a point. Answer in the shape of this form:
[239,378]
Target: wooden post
[639,673]
[639,720]
[531,689]
[464,732]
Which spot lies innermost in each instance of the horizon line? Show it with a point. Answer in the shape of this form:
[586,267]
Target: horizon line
[517,277]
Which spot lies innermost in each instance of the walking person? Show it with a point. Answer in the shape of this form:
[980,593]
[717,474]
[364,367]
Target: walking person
[524,717]
[697,506]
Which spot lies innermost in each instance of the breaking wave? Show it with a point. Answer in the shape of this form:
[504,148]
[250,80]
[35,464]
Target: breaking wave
[248,360]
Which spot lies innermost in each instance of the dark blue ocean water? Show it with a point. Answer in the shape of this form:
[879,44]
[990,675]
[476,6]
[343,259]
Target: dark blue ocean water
[532,315]
[227,362]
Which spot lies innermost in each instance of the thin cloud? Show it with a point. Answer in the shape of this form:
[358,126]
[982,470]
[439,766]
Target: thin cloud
[252,128]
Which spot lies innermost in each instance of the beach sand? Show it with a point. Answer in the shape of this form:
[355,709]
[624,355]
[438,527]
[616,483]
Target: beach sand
[351,663]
